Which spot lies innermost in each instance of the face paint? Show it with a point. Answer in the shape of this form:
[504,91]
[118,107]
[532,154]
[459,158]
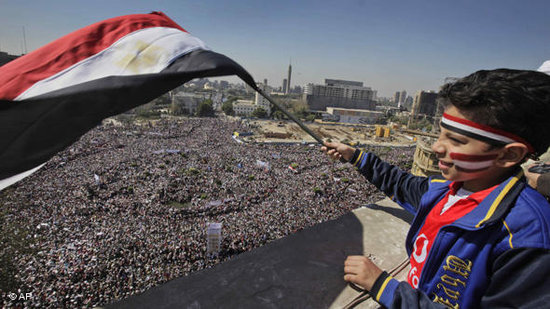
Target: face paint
[481,132]
[472,163]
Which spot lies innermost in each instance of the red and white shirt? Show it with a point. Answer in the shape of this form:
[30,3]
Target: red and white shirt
[456,204]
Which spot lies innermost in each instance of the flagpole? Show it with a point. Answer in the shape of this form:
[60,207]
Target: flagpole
[296,120]
[289,115]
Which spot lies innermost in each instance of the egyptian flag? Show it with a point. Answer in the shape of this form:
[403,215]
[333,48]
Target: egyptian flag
[52,96]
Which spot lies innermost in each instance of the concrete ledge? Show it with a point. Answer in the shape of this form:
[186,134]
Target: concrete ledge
[303,270]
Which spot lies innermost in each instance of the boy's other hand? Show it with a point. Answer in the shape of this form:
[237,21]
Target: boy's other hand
[337,151]
[362,271]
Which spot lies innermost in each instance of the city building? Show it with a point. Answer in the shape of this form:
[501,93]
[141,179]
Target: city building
[247,107]
[285,84]
[402,98]
[340,94]
[354,115]
[188,102]
[424,103]
[396,97]
[408,102]
[262,102]
[5,58]
[244,107]
[424,107]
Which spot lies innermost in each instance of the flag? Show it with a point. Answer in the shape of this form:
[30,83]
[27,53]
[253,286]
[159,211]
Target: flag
[53,95]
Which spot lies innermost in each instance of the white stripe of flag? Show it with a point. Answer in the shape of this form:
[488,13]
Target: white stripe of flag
[145,51]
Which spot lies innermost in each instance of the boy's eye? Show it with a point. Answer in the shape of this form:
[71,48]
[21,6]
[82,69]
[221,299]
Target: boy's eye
[456,140]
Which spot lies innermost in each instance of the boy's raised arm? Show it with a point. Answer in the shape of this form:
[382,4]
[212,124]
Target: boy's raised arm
[404,188]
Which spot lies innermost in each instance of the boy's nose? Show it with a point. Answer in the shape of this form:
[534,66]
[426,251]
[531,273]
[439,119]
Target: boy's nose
[438,148]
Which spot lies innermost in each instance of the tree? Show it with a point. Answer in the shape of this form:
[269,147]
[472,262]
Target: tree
[277,114]
[227,108]
[310,117]
[259,112]
[205,109]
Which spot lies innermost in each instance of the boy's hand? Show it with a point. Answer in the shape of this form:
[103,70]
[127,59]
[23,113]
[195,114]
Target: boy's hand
[361,270]
[336,151]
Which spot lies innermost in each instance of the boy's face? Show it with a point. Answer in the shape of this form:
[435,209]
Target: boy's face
[463,158]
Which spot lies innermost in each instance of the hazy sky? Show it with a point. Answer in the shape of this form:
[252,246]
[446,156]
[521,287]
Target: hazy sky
[388,45]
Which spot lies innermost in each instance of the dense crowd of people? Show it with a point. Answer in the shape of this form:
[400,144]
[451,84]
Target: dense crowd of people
[126,207]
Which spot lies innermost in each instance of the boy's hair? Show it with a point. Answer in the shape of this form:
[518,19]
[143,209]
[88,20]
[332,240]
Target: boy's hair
[515,101]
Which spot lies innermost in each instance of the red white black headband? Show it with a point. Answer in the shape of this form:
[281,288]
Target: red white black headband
[482,132]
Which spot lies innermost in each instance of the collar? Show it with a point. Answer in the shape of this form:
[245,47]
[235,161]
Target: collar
[495,204]
[475,196]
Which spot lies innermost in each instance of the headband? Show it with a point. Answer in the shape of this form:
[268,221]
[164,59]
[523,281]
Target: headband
[481,132]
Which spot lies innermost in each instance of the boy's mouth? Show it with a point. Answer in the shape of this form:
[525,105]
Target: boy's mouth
[445,165]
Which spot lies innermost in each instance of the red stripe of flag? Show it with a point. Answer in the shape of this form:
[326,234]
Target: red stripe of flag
[21,73]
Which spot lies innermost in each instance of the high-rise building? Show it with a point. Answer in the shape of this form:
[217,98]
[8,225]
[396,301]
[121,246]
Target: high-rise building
[339,93]
[396,97]
[424,103]
[402,98]
[285,85]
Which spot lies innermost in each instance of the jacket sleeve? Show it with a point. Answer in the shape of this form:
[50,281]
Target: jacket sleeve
[521,279]
[404,188]
[394,294]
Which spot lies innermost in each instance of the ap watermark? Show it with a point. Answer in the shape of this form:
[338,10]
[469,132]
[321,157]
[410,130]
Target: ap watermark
[19,296]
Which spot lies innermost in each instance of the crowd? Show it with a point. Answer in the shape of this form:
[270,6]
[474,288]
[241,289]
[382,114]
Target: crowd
[126,207]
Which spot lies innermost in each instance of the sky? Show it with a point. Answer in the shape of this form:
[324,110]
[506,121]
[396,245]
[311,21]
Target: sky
[388,45]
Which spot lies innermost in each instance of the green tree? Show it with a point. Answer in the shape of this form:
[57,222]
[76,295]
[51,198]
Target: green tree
[205,109]
[259,112]
[227,108]
[310,117]
[279,115]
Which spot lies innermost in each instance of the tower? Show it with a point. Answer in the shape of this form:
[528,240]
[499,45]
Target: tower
[288,79]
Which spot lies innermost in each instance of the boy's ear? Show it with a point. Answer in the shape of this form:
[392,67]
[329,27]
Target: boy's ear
[512,154]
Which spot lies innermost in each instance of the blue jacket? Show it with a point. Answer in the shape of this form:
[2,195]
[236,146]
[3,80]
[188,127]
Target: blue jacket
[495,256]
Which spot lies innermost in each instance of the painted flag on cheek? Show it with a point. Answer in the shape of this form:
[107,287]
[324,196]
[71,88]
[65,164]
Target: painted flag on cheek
[52,96]
[472,163]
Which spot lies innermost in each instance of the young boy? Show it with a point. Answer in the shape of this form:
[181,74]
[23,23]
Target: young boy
[481,236]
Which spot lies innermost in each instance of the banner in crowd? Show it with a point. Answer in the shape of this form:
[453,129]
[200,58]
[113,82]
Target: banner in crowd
[213,238]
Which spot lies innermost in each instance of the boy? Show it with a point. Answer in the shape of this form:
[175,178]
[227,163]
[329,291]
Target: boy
[480,236]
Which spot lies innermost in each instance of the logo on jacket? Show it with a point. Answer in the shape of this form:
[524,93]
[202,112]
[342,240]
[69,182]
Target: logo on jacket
[419,258]
[419,255]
